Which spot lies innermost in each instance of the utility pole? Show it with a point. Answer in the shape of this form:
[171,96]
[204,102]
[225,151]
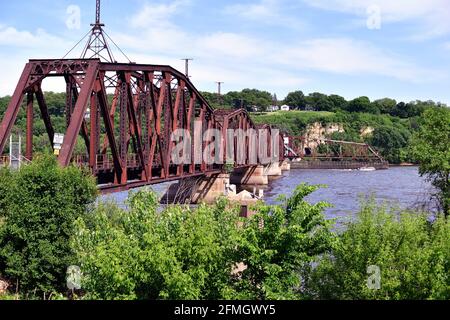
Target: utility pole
[186,68]
[219,89]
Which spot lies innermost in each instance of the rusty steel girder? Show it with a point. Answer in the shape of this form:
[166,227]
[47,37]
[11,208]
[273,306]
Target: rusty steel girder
[239,119]
[149,102]
[132,110]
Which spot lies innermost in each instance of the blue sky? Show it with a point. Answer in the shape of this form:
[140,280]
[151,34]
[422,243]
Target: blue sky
[377,48]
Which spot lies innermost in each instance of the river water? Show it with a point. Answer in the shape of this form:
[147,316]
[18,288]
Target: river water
[398,187]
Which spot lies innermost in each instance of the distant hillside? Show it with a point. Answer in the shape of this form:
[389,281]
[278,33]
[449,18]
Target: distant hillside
[389,134]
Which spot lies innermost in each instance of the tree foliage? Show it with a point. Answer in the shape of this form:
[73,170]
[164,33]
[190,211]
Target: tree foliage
[279,243]
[431,148]
[178,253]
[412,254]
[184,253]
[39,204]
[296,100]
[392,142]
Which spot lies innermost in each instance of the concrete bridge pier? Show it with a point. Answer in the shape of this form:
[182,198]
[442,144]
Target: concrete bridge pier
[285,166]
[199,189]
[273,169]
[210,188]
[255,175]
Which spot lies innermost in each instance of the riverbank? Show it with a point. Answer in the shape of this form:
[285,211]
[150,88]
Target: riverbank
[342,165]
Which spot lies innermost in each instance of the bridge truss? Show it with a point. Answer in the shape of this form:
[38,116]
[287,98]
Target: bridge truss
[125,114]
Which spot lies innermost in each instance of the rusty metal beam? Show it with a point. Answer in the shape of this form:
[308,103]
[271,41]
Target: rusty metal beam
[30,118]
[44,114]
[78,114]
[109,126]
[12,111]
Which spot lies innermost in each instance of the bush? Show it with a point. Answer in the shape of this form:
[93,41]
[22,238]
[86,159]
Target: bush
[412,254]
[184,253]
[40,204]
[431,148]
[178,253]
[279,244]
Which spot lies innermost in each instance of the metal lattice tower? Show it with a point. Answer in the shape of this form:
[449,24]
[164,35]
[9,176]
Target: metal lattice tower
[97,45]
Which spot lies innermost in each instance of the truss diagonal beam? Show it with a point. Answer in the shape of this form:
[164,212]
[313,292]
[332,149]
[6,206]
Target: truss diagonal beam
[78,114]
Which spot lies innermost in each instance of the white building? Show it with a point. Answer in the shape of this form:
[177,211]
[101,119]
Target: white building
[274,108]
[285,108]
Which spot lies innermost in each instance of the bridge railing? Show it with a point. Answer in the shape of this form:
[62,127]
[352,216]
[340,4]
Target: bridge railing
[105,161]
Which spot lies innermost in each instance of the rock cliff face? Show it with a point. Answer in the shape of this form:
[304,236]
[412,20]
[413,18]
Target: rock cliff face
[316,132]
[366,131]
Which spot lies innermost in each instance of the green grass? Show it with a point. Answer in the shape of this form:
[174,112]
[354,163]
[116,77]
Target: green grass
[292,121]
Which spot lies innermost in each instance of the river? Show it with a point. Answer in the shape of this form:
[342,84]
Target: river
[398,187]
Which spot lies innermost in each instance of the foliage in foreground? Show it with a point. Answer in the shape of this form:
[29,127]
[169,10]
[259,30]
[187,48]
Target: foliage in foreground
[412,254]
[431,148]
[286,251]
[184,253]
[38,206]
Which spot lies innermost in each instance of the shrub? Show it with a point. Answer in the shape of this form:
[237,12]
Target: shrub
[279,243]
[178,253]
[40,203]
[184,253]
[412,254]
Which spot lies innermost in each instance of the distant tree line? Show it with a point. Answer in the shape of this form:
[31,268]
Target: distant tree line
[297,100]
[393,122]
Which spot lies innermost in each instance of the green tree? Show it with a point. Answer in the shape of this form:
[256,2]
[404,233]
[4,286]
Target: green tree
[431,148]
[40,203]
[390,140]
[362,104]
[141,253]
[411,254]
[296,100]
[279,243]
[319,102]
[339,103]
[184,253]
[385,105]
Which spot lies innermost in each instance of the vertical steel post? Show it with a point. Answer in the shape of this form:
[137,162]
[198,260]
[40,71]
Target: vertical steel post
[29,146]
[123,142]
[93,147]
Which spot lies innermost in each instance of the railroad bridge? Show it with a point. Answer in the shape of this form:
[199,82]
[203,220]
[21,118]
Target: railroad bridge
[128,114]
[129,133]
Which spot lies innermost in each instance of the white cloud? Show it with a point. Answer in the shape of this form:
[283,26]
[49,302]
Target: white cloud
[239,59]
[10,36]
[429,16]
[266,12]
[265,9]
[157,14]
[18,46]
[350,57]
[231,45]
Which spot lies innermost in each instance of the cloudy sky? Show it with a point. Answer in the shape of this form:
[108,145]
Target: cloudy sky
[378,48]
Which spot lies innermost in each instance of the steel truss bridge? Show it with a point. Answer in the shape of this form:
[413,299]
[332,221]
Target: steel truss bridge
[127,138]
[126,114]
